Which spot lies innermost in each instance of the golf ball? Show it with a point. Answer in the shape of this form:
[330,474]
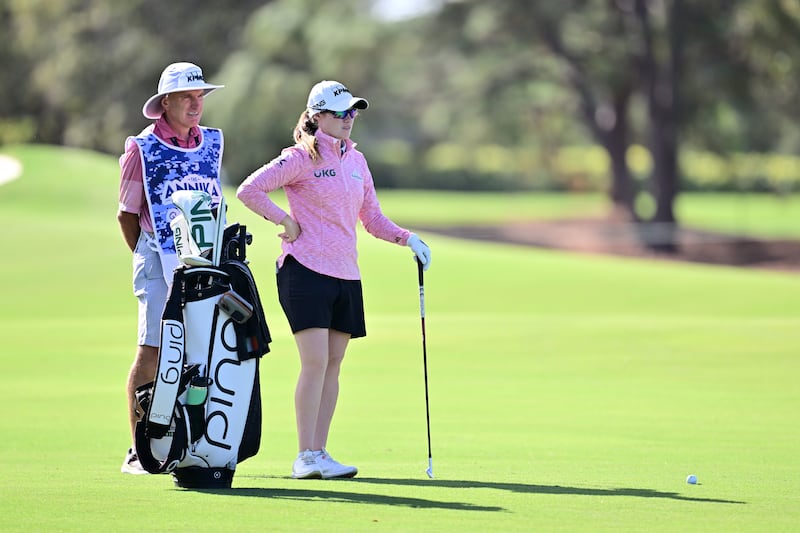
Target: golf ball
[691,479]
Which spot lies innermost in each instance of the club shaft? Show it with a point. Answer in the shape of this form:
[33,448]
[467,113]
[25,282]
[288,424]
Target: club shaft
[424,355]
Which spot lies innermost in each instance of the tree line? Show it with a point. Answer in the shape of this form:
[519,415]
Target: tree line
[454,91]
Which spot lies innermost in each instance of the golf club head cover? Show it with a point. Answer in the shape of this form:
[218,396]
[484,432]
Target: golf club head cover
[196,209]
[188,252]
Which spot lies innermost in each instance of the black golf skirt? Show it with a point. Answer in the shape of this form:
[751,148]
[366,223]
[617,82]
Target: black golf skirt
[313,300]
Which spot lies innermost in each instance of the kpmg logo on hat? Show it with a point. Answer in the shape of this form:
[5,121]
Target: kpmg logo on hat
[194,76]
[340,89]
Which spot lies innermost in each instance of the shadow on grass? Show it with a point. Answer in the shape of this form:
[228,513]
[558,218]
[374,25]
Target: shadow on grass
[312,492]
[542,489]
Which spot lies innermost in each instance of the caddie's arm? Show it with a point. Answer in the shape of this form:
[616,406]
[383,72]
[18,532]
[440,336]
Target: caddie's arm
[131,193]
[129,224]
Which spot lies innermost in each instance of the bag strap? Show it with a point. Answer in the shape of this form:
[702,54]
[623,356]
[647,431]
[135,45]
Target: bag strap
[179,443]
[145,431]
[171,357]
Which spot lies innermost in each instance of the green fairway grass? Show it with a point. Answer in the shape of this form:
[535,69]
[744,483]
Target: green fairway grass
[756,215]
[568,392]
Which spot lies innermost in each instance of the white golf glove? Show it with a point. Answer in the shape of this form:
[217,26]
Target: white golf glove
[421,250]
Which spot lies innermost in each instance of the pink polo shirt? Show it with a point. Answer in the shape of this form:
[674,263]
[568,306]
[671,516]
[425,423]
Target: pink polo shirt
[326,198]
[131,188]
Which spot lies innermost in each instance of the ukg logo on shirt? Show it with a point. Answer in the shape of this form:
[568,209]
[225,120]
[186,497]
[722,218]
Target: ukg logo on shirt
[325,173]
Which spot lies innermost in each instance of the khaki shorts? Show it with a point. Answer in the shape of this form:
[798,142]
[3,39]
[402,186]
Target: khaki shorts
[150,289]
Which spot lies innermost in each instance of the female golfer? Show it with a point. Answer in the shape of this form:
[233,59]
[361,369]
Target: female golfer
[329,188]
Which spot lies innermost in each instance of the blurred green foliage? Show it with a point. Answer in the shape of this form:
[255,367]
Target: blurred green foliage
[584,168]
[466,95]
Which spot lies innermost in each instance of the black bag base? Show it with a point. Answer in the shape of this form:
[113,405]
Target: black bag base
[196,477]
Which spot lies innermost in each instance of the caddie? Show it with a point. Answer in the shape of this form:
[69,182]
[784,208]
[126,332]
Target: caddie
[173,153]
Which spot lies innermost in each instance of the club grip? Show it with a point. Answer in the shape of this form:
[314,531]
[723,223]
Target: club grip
[419,271]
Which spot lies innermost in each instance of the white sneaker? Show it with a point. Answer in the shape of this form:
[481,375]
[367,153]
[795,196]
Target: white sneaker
[306,466]
[332,468]
[131,465]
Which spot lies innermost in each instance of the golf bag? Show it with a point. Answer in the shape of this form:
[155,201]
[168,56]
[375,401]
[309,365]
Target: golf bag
[201,416]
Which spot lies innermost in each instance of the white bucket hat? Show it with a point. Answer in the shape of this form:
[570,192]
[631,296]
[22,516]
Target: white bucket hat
[176,77]
[330,95]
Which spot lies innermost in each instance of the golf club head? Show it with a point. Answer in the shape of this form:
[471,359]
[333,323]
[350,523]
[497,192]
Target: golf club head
[429,471]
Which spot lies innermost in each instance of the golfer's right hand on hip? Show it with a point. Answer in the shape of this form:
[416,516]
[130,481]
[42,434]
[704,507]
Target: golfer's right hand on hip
[421,250]
[291,229]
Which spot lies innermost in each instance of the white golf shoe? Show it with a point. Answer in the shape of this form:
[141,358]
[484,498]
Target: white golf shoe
[306,466]
[332,468]
[131,465]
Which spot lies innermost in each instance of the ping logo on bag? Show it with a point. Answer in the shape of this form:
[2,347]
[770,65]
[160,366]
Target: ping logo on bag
[170,368]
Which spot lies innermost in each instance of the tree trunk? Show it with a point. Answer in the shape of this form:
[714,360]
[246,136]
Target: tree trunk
[611,133]
[615,140]
[663,111]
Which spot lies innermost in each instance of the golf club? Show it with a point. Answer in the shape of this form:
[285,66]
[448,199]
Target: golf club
[219,231]
[420,270]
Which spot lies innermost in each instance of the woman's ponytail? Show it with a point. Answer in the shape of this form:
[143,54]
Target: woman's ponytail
[304,134]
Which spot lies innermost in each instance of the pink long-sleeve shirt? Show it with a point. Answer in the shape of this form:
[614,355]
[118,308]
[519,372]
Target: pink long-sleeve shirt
[326,198]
